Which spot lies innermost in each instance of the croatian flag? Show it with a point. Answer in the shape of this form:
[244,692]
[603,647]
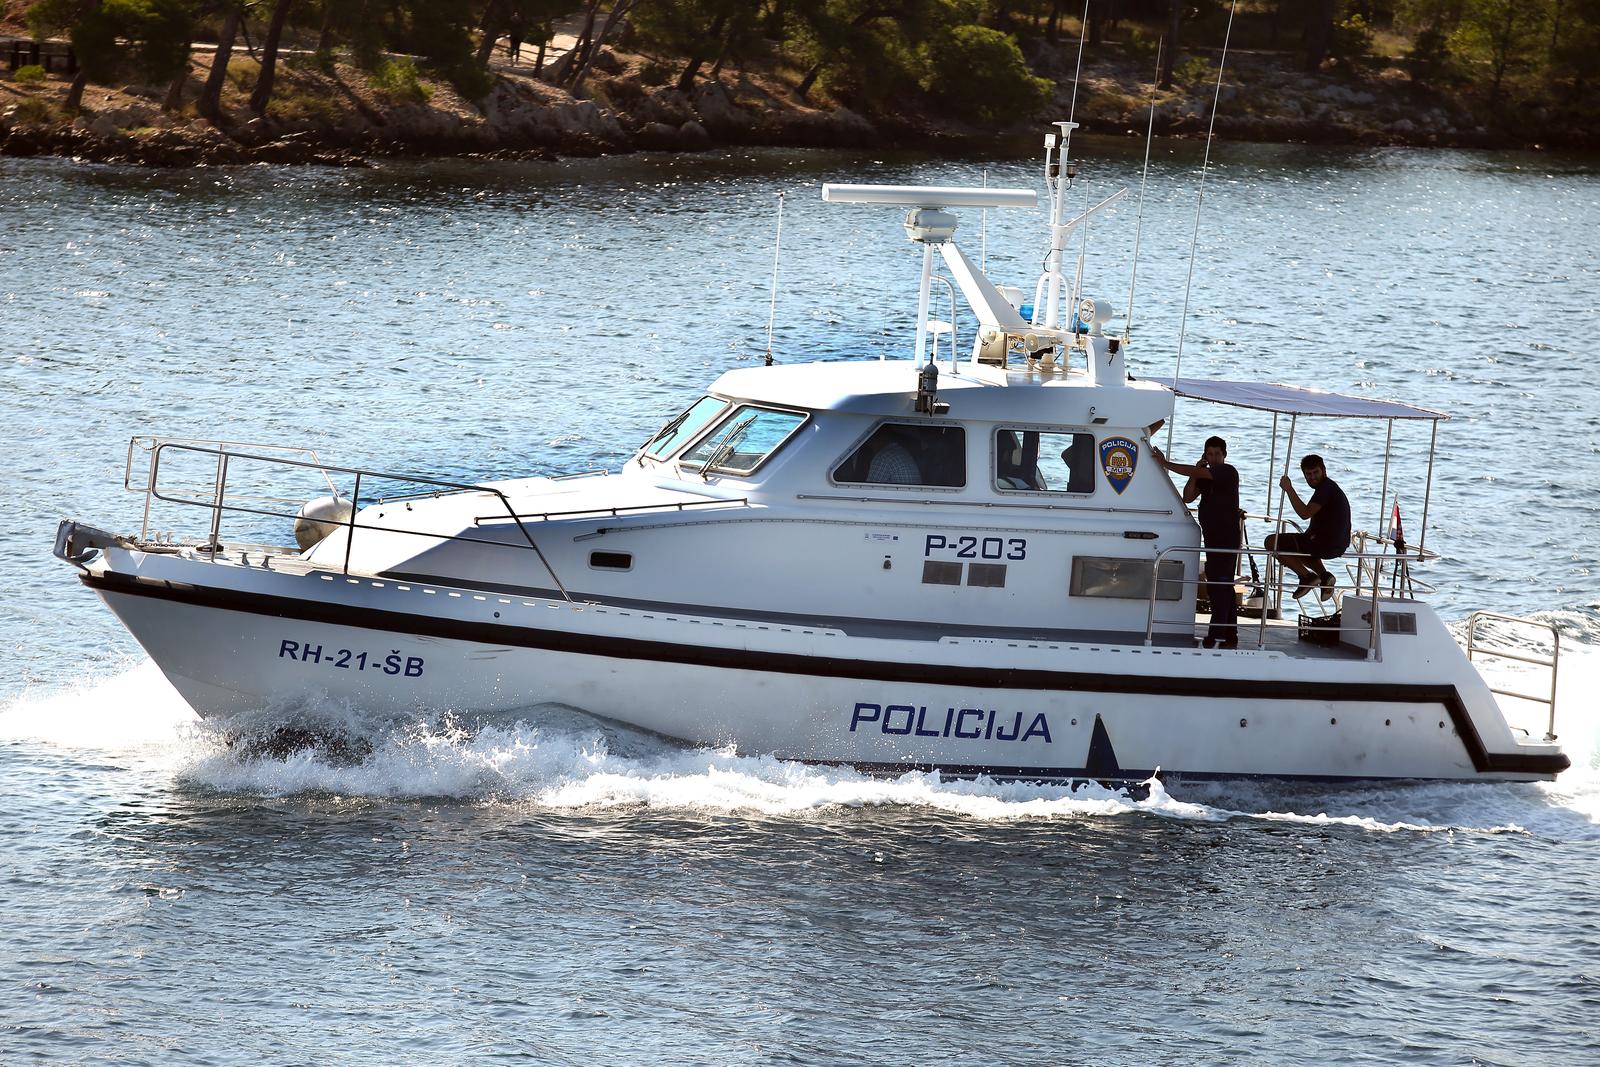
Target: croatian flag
[1397,533]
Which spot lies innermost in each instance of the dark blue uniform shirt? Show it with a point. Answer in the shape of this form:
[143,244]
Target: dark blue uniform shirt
[1330,528]
[1219,507]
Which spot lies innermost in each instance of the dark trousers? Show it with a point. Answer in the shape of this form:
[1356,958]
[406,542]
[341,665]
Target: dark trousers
[1298,546]
[1224,598]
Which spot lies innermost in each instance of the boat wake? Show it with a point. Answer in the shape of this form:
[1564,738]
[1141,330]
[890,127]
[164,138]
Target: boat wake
[559,759]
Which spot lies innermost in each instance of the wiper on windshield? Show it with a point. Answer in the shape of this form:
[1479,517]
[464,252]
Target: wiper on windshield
[725,447]
[669,429]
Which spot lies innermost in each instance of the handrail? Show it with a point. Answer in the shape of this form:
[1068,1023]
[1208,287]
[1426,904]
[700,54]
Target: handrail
[159,447]
[1272,556]
[1554,662]
[616,512]
[943,501]
[149,442]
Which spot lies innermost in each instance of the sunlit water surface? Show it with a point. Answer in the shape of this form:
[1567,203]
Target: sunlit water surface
[544,887]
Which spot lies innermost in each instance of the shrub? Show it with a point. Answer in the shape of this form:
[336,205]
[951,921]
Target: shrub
[470,78]
[1195,72]
[32,109]
[1139,43]
[1430,55]
[655,73]
[242,74]
[397,80]
[307,106]
[980,73]
[32,74]
[1352,40]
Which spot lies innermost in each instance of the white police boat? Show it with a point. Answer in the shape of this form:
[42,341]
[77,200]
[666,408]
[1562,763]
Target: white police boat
[968,562]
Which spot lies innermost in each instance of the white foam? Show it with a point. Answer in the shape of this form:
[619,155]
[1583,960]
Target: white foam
[134,707]
[558,759]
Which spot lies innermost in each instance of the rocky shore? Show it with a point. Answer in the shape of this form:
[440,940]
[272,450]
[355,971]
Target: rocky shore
[334,117]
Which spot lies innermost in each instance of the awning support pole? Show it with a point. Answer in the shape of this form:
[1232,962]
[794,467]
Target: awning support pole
[1422,534]
[1272,461]
[1383,506]
[1288,454]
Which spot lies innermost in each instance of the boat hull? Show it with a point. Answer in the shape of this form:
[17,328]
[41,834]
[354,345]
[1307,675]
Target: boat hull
[232,650]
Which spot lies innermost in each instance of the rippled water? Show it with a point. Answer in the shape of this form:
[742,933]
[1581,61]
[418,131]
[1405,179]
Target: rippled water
[548,888]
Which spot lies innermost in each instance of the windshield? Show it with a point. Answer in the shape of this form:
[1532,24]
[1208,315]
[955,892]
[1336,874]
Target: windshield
[744,440]
[668,439]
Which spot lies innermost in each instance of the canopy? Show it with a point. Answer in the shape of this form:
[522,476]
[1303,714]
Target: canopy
[1293,400]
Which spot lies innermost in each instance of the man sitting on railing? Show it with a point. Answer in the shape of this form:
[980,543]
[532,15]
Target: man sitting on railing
[1327,535]
[1216,483]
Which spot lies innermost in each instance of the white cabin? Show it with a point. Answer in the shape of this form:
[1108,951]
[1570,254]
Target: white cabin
[1028,504]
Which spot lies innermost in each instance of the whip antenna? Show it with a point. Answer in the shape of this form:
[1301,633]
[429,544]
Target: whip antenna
[1072,108]
[1061,171]
[983,231]
[1200,195]
[777,250]
[1138,226]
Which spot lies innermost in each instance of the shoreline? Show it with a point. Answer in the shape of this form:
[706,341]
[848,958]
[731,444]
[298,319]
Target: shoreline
[334,117]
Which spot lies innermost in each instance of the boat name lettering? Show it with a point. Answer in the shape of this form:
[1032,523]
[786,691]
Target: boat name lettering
[969,724]
[969,546]
[351,660]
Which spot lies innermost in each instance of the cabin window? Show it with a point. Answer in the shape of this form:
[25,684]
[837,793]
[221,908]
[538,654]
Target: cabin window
[743,440]
[684,426]
[1118,578]
[1041,461]
[898,453]
[611,561]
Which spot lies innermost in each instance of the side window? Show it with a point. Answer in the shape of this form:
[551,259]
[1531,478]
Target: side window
[683,427]
[908,454]
[1039,461]
[744,440]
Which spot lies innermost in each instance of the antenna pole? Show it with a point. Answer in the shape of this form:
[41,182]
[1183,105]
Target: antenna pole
[777,250]
[1138,226]
[922,300]
[1052,306]
[1200,195]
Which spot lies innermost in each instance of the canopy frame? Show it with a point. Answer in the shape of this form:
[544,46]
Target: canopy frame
[1295,401]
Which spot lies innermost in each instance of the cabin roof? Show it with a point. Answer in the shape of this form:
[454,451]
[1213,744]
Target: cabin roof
[974,392]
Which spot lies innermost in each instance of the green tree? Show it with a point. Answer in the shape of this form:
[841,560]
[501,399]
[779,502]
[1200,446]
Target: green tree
[261,96]
[980,73]
[869,42]
[699,30]
[1505,35]
[210,102]
[147,38]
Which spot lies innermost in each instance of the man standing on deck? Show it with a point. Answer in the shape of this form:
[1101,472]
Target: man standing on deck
[1327,535]
[1215,482]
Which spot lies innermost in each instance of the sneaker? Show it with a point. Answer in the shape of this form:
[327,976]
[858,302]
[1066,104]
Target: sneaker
[1306,585]
[1328,584]
[1228,642]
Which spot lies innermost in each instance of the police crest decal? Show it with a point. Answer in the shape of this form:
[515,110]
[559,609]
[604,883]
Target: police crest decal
[1118,458]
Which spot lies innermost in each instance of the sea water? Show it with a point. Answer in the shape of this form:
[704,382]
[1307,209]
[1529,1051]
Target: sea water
[547,887]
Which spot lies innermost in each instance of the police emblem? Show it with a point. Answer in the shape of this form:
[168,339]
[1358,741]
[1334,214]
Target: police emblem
[1118,458]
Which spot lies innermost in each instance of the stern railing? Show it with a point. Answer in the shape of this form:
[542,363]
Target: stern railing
[1553,662]
[1367,587]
